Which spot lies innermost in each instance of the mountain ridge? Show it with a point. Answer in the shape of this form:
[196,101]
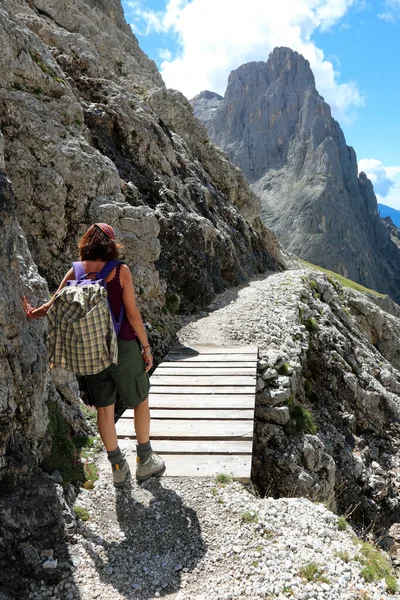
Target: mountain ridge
[276,127]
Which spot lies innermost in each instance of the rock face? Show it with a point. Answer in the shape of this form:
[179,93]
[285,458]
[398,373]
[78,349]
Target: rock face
[276,127]
[87,136]
[88,133]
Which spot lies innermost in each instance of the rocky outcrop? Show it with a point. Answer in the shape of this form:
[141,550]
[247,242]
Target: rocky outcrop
[276,127]
[393,231]
[24,385]
[87,136]
[89,133]
[328,409]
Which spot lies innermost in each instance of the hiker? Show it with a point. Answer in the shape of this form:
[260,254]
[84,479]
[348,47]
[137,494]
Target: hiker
[96,248]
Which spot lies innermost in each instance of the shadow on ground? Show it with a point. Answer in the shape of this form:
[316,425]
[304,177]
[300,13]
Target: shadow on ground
[162,538]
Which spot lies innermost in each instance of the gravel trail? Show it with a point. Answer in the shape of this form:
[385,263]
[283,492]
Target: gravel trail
[200,539]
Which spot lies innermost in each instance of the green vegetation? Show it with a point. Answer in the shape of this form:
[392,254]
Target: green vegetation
[344,556]
[223,478]
[250,517]
[90,414]
[376,566]
[313,572]
[287,589]
[172,303]
[313,284]
[284,369]
[342,524]
[301,419]
[81,513]
[67,452]
[345,282]
[255,563]
[311,324]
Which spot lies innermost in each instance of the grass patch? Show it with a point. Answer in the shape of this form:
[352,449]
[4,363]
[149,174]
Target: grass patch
[90,414]
[376,566]
[313,572]
[172,303]
[311,324]
[344,556]
[284,369]
[223,478]
[345,282]
[255,563]
[66,452]
[250,517]
[301,420]
[342,524]
[81,513]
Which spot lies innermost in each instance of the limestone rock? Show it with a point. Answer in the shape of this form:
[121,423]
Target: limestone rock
[90,132]
[276,127]
[24,385]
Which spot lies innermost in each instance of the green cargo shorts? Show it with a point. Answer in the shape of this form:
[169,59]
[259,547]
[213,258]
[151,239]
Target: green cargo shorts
[129,378]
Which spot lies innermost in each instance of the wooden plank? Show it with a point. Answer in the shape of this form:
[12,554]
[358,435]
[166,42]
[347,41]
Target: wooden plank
[202,371]
[193,350]
[206,430]
[200,401]
[204,380]
[209,390]
[190,413]
[191,465]
[226,359]
[194,447]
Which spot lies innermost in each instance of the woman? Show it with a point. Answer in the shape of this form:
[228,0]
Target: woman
[96,247]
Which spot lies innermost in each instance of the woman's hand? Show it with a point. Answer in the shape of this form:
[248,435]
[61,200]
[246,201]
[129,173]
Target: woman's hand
[148,358]
[28,308]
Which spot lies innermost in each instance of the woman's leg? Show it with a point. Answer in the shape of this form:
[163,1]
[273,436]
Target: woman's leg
[142,422]
[106,425]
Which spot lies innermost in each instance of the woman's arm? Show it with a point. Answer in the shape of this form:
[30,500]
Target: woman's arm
[133,314]
[41,311]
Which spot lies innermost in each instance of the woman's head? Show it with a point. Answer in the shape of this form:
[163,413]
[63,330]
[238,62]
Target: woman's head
[98,243]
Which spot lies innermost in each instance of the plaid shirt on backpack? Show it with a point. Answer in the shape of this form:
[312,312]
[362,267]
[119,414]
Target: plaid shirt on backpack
[82,330]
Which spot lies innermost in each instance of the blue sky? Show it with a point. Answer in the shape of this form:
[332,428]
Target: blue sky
[353,47]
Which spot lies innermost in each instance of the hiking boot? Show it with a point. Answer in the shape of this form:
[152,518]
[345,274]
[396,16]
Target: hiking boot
[120,472]
[153,466]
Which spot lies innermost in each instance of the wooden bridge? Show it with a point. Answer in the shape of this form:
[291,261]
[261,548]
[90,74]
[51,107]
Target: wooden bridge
[202,411]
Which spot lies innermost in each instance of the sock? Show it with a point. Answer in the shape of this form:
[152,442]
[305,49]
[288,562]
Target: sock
[143,450]
[115,456]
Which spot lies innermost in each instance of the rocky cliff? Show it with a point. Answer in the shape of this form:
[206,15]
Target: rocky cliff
[88,133]
[276,127]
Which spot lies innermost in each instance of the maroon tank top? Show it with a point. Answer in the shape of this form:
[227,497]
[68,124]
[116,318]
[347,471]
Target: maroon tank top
[114,290]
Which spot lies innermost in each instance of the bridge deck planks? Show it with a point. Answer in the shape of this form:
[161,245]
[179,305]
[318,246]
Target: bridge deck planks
[202,407]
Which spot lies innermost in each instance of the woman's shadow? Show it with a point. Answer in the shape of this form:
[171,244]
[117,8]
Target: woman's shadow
[162,539]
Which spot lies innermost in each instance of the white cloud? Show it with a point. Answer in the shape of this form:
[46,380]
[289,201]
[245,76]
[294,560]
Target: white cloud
[165,54]
[392,11]
[216,37]
[386,181]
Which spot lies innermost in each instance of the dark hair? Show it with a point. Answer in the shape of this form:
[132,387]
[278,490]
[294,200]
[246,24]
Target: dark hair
[96,245]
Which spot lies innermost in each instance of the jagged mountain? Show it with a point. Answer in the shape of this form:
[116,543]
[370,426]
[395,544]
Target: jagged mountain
[276,127]
[388,211]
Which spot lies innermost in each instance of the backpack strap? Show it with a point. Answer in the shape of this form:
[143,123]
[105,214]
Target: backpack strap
[79,271]
[104,273]
[108,267]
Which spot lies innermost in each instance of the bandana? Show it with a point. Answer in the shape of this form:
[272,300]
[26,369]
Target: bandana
[107,229]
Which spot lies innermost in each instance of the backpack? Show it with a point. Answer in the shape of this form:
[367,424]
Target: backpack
[82,329]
